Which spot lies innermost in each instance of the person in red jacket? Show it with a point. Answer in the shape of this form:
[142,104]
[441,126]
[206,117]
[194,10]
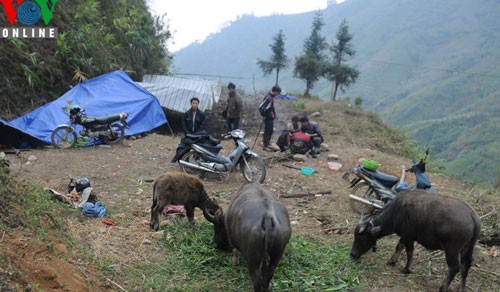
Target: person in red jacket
[301,141]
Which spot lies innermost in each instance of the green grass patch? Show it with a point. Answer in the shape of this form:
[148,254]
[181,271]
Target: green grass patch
[187,261]
[27,205]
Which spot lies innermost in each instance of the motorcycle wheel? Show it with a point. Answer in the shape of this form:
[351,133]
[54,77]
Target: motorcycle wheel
[117,134]
[365,191]
[63,137]
[254,170]
[192,157]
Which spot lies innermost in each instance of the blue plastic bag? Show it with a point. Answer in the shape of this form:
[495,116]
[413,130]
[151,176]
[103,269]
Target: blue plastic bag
[94,210]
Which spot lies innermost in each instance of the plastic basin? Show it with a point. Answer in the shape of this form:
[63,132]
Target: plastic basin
[307,170]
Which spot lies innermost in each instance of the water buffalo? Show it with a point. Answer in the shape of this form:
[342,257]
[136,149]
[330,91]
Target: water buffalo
[178,188]
[256,225]
[434,221]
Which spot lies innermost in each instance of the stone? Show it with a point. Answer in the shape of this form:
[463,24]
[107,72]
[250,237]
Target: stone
[324,147]
[275,147]
[2,155]
[333,157]
[315,114]
[299,157]
[31,158]
[147,241]
[158,234]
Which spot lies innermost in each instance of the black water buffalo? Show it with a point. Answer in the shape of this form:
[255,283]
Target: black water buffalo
[178,188]
[434,221]
[257,225]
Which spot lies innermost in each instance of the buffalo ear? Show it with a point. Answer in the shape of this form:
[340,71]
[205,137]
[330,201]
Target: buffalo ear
[375,230]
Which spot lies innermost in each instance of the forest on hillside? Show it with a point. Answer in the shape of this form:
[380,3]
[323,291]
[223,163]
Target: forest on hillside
[94,37]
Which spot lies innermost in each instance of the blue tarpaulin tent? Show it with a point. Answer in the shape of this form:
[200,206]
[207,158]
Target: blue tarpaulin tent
[110,93]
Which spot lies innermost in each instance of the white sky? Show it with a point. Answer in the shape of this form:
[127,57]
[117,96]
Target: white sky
[194,20]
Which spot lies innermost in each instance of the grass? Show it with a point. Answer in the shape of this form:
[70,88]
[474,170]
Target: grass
[188,261]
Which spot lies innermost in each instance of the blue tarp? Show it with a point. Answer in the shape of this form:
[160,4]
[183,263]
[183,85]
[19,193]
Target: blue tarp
[11,136]
[286,96]
[110,93]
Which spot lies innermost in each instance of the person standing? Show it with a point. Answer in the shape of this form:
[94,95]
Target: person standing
[234,108]
[269,114]
[194,119]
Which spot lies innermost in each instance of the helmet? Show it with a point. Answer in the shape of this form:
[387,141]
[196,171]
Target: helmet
[74,109]
[82,183]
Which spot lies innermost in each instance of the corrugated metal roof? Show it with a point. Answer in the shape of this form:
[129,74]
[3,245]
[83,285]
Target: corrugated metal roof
[174,93]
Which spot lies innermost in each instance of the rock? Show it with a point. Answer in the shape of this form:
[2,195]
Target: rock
[333,157]
[275,147]
[158,234]
[299,157]
[324,147]
[147,241]
[32,158]
[315,114]
[2,155]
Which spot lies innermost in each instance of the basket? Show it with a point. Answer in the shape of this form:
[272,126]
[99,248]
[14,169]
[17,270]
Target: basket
[370,164]
[307,170]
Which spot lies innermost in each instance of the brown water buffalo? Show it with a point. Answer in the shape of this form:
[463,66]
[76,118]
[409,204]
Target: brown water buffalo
[256,225]
[434,221]
[178,188]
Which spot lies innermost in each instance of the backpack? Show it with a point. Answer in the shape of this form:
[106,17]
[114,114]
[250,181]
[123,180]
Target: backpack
[299,146]
[264,106]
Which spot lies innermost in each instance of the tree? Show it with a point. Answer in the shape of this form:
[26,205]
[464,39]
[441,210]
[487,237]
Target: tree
[309,65]
[341,75]
[278,60]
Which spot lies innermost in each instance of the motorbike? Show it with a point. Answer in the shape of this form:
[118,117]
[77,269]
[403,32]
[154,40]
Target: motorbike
[200,158]
[104,128]
[372,189]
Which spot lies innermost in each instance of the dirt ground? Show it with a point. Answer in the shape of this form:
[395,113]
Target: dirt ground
[118,173]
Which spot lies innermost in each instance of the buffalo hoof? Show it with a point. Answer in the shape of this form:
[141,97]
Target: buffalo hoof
[391,263]
[406,271]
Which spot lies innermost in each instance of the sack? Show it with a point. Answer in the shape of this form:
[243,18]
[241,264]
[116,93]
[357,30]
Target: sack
[264,106]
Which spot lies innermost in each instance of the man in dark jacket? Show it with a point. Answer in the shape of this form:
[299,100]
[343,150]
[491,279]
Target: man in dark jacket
[269,116]
[194,119]
[234,107]
[193,122]
[314,132]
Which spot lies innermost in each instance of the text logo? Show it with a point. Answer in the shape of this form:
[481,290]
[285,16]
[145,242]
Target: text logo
[29,12]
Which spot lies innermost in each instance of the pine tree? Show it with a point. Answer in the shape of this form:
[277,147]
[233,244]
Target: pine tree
[278,59]
[341,75]
[309,65]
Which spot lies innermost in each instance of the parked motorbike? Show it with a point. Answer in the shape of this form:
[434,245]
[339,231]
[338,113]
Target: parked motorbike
[373,189]
[200,158]
[104,128]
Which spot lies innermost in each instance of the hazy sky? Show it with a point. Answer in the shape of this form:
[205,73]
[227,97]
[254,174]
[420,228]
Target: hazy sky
[194,20]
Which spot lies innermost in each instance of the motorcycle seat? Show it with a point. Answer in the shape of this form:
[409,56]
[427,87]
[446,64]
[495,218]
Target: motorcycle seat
[212,148]
[104,119]
[386,179]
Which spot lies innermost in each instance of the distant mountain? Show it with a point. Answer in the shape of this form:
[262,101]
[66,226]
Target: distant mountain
[429,67]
